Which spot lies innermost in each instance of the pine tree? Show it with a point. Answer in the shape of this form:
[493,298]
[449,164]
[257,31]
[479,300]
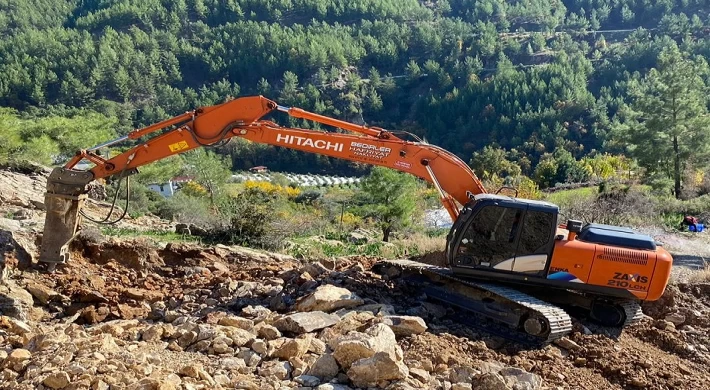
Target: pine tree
[671,126]
[392,199]
[210,170]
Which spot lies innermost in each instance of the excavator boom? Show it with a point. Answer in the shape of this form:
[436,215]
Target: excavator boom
[242,117]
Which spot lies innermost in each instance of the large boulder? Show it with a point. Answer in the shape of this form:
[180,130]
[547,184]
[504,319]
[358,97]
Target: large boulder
[519,379]
[14,326]
[325,367]
[505,378]
[57,380]
[15,301]
[240,337]
[17,358]
[328,298]
[294,348]
[17,247]
[332,386]
[314,269]
[307,380]
[361,236]
[238,322]
[306,322]
[276,368]
[43,293]
[380,367]
[10,225]
[405,325]
[356,345]
[491,381]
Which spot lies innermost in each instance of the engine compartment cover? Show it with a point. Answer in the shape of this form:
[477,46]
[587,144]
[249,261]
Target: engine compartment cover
[616,236]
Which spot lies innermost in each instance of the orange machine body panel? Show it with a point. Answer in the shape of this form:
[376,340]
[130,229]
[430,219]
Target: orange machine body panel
[574,257]
[643,273]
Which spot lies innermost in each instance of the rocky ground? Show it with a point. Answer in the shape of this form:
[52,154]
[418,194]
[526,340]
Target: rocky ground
[139,314]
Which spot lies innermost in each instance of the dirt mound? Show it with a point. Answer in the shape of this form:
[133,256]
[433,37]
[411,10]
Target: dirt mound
[117,279]
[437,258]
[682,322]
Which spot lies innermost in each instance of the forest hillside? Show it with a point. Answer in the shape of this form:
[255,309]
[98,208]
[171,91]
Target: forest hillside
[558,91]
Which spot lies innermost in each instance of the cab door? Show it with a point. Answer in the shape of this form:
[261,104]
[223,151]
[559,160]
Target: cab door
[534,248]
[490,240]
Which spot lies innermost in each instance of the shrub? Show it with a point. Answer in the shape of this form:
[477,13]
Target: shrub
[614,205]
[561,167]
[260,216]
[247,220]
[187,209]
[194,188]
[700,276]
[279,179]
[420,244]
[308,196]
[350,220]
[662,185]
[669,207]
[272,189]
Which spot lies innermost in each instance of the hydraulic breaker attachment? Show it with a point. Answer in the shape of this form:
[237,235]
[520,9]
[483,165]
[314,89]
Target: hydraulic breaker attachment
[66,192]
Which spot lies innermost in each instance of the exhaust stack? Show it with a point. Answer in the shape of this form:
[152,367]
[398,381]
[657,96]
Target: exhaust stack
[574,227]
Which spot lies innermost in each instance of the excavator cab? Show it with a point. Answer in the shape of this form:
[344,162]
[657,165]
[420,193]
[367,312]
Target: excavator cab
[504,235]
[512,240]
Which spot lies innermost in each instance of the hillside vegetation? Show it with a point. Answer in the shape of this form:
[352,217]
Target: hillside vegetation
[536,82]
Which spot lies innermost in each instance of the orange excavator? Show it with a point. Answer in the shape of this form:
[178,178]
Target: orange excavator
[507,259]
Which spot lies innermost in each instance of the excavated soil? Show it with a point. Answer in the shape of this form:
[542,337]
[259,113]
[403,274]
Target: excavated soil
[137,314]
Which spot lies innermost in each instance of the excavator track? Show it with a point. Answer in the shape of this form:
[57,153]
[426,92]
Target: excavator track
[624,312]
[524,318]
[633,312]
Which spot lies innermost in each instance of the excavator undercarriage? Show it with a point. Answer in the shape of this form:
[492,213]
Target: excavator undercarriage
[513,312]
[494,308]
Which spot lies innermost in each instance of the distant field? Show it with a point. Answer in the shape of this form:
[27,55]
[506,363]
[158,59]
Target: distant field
[565,196]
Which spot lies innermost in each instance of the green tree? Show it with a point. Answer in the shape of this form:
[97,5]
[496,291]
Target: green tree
[546,172]
[41,149]
[10,140]
[669,123]
[375,78]
[492,161]
[159,172]
[209,169]
[391,197]
[263,87]
[413,70]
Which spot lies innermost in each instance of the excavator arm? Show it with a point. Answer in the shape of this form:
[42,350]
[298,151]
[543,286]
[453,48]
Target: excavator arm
[242,117]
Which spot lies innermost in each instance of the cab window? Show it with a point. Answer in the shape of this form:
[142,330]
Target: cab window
[536,233]
[490,238]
